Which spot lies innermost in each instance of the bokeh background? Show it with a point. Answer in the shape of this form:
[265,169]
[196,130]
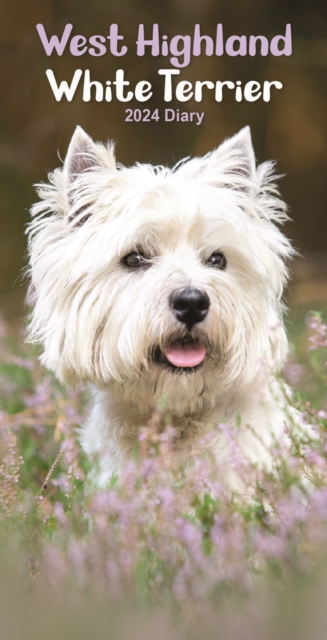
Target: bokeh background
[291,128]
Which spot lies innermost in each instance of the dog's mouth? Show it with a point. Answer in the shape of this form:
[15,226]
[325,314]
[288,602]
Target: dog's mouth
[181,356]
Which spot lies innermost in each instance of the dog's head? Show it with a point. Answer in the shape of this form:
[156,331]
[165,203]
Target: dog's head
[156,279]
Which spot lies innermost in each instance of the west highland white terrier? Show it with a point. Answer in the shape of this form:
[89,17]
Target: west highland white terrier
[152,283]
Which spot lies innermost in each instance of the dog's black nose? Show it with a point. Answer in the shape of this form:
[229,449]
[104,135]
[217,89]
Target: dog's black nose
[190,305]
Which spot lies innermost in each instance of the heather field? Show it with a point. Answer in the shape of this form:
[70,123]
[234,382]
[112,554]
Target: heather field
[165,551]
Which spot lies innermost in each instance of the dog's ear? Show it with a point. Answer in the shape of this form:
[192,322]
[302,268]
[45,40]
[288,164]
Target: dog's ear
[83,154]
[84,157]
[232,164]
[239,149]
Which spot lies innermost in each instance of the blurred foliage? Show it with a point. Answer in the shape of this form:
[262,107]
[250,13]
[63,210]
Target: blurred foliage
[162,535]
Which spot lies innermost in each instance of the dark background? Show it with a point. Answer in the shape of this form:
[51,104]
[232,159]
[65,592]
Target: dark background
[291,128]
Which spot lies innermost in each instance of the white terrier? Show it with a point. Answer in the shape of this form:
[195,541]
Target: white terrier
[153,283]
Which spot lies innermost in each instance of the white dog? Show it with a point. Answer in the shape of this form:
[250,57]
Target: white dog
[153,283]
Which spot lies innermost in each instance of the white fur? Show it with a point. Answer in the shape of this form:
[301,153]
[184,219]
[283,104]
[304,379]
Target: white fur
[98,321]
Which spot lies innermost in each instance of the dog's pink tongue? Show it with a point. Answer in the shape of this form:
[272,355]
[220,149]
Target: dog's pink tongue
[187,354]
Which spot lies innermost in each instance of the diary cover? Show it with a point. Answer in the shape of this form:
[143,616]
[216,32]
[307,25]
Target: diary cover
[163,81]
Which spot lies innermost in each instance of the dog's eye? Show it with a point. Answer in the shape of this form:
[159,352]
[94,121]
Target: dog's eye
[134,260]
[217,260]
